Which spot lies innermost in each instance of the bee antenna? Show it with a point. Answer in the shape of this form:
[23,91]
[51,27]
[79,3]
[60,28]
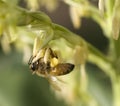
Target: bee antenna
[30,60]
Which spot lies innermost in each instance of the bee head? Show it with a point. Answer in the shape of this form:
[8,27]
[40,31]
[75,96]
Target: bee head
[34,66]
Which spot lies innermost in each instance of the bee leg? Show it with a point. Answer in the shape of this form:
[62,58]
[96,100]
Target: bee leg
[60,80]
[40,42]
[47,56]
[39,55]
[33,72]
[36,45]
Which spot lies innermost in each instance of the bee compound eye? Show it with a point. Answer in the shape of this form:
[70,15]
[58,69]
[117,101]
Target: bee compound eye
[33,67]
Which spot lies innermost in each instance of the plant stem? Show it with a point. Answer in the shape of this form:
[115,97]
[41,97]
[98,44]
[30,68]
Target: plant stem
[116,90]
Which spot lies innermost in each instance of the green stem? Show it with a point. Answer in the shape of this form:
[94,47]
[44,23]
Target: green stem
[116,90]
[109,7]
[101,62]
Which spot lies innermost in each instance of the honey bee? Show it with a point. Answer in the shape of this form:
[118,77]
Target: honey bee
[45,63]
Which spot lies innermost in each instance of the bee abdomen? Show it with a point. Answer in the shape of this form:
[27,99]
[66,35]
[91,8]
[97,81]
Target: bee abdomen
[62,69]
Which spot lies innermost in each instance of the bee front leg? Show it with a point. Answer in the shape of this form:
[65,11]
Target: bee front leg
[47,56]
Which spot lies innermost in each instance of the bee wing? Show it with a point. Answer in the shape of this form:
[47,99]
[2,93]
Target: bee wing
[54,82]
[61,69]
